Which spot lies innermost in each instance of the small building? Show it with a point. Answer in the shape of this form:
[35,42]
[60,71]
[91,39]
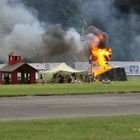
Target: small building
[16,71]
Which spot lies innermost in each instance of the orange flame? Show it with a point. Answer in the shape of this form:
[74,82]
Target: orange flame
[100,54]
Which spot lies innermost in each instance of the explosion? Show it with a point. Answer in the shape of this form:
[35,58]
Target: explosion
[100,54]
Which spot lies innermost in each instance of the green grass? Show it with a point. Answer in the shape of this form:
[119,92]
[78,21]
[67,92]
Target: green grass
[82,128]
[65,89]
[134,78]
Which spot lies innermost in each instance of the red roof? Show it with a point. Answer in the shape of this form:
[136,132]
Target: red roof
[14,53]
[11,68]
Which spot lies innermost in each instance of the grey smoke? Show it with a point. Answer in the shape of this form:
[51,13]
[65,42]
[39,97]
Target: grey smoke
[60,45]
[20,29]
[123,29]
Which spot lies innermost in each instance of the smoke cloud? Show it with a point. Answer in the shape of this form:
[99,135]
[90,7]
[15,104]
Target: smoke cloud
[122,28]
[19,29]
[60,45]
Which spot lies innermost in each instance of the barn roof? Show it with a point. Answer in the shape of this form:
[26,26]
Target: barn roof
[11,68]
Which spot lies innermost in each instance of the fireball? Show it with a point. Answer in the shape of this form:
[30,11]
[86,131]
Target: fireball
[100,54]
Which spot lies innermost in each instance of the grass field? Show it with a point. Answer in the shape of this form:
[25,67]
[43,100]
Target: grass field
[64,89]
[80,128]
[133,78]
[84,128]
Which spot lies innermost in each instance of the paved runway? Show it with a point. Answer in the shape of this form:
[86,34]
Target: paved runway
[69,106]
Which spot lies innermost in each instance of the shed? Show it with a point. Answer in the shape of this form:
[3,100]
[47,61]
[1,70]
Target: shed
[16,71]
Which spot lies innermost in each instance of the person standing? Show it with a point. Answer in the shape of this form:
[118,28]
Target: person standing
[7,79]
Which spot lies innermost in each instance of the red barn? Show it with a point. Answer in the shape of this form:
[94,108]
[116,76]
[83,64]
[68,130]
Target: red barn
[17,72]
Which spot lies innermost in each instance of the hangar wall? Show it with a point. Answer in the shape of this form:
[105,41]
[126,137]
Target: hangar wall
[131,68]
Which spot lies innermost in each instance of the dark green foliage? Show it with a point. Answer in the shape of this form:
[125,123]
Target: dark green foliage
[127,5]
[67,12]
[64,12]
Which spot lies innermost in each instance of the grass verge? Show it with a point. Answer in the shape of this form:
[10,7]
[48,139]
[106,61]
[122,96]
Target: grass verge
[82,128]
[69,89]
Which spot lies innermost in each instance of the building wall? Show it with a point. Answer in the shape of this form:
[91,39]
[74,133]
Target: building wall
[14,77]
[131,67]
[33,78]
